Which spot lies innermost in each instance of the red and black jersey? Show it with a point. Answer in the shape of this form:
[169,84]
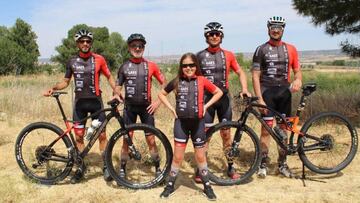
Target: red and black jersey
[136,75]
[215,65]
[274,62]
[86,70]
[190,95]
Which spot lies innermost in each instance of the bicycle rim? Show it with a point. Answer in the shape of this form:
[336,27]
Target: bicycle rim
[245,159]
[37,160]
[140,172]
[330,143]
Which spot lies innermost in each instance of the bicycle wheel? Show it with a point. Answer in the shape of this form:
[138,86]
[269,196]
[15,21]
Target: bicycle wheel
[140,171]
[41,156]
[245,158]
[330,143]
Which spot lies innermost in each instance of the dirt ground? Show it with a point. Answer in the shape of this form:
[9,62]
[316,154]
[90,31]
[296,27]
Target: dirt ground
[14,187]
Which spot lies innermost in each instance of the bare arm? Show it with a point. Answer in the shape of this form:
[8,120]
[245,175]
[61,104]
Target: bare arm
[162,97]
[296,84]
[243,82]
[59,86]
[216,96]
[257,87]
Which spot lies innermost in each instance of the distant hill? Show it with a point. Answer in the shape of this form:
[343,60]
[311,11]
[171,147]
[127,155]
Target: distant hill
[305,56]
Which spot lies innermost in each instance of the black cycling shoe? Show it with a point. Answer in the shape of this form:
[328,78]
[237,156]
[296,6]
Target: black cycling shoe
[78,176]
[168,191]
[107,176]
[209,193]
[157,172]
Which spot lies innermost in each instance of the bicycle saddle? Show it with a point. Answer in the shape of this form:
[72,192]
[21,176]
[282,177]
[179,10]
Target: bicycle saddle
[309,88]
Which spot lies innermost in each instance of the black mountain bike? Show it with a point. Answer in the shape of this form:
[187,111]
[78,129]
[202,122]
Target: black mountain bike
[326,142]
[46,153]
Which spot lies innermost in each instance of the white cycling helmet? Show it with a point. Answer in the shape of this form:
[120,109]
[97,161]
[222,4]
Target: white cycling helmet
[276,20]
[213,26]
[83,33]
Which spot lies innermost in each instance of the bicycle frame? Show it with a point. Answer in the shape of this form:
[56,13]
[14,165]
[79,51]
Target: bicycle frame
[69,126]
[291,123]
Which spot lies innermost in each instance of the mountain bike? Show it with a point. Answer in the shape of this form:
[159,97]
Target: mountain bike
[326,143]
[46,153]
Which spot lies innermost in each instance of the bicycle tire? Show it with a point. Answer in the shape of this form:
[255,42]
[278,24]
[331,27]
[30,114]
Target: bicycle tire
[36,161]
[140,174]
[245,163]
[335,134]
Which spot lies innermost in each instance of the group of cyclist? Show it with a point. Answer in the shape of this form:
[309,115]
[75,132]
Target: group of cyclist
[201,89]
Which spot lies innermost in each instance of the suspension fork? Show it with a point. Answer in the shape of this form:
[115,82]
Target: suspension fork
[134,153]
[238,134]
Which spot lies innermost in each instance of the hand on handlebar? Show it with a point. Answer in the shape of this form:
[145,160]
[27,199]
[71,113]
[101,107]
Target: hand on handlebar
[48,92]
[262,110]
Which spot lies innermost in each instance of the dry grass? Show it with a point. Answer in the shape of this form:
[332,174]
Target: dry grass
[21,100]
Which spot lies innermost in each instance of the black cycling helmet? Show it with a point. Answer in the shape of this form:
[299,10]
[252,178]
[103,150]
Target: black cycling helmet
[276,20]
[83,33]
[213,26]
[136,36]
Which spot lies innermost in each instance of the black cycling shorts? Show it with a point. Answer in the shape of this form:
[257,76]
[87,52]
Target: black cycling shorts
[222,107]
[185,127]
[277,98]
[132,111]
[84,106]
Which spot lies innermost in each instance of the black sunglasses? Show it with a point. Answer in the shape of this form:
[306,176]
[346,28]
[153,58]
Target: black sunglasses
[191,65]
[82,41]
[140,46]
[216,34]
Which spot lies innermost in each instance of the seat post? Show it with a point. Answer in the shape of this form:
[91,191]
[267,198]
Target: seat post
[60,107]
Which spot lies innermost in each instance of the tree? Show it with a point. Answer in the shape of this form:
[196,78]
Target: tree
[111,46]
[19,50]
[340,16]
[242,61]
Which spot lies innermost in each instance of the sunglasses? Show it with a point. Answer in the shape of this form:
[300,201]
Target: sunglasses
[190,65]
[82,41]
[212,34]
[139,46]
[276,28]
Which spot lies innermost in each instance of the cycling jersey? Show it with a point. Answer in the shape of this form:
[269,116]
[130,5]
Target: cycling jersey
[215,65]
[137,74]
[86,69]
[183,128]
[190,95]
[275,63]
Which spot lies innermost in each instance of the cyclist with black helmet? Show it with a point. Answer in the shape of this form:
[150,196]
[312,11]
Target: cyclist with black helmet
[136,77]
[272,64]
[215,64]
[86,67]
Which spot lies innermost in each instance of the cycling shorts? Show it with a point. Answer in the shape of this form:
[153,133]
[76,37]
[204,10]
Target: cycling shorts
[222,107]
[194,127]
[277,98]
[84,106]
[132,111]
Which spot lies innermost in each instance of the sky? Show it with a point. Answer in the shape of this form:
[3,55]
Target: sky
[169,26]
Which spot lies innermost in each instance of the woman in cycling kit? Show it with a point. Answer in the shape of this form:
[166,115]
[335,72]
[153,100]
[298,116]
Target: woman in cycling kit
[189,87]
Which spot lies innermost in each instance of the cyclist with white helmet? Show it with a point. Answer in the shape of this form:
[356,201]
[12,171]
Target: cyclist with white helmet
[86,67]
[215,65]
[271,68]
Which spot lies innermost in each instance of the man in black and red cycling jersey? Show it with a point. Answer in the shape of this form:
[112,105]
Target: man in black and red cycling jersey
[86,68]
[215,64]
[272,64]
[136,75]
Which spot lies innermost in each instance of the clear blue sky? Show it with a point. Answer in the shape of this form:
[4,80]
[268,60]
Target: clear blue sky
[170,27]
